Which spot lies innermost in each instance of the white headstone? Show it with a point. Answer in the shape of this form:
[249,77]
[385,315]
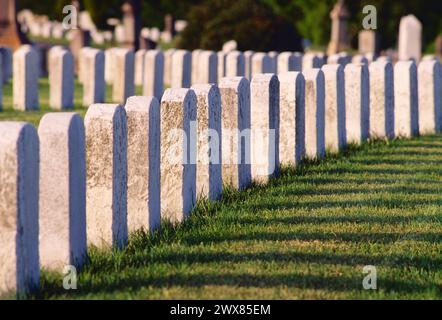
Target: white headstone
[230,46]
[94,86]
[178,153]
[153,74]
[430,97]
[357,103]
[264,126]
[25,82]
[123,84]
[139,66]
[61,80]
[335,136]
[410,38]
[209,182]
[292,118]
[143,163]
[381,100]
[19,163]
[312,61]
[236,146]
[106,169]
[62,218]
[406,110]
[314,113]
[109,67]
[248,55]
[195,66]
[235,64]
[168,54]
[207,67]
[261,63]
[182,69]
[273,55]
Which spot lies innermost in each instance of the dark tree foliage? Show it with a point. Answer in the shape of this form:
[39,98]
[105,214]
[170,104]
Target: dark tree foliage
[253,24]
[309,17]
[312,18]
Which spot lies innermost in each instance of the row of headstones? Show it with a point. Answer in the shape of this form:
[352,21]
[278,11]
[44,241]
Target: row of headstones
[128,167]
[153,69]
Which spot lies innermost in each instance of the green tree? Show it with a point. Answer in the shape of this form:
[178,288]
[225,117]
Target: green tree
[251,23]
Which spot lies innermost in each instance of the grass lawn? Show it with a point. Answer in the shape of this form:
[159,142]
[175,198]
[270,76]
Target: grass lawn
[8,113]
[307,234]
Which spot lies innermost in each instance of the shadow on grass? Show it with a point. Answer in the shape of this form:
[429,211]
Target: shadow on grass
[133,281]
[131,268]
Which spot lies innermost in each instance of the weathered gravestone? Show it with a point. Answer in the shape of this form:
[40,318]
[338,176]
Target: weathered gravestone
[168,54]
[221,57]
[178,153]
[430,97]
[381,100]
[261,63]
[143,163]
[335,135]
[61,80]
[123,85]
[208,179]
[181,77]
[274,61]
[235,64]
[25,82]
[357,103]
[292,118]
[109,65]
[10,33]
[264,126]
[106,180]
[312,60]
[195,66]
[94,86]
[236,160]
[139,66]
[410,39]
[314,113]
[19,163]
[406,118]
[248,55]
[153,83]
[62,218]
[288,61]
[207,67]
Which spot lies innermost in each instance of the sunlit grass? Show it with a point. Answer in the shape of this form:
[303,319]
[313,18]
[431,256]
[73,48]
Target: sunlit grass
[306,235]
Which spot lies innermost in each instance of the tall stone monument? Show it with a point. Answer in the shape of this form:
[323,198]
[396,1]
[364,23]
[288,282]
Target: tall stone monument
[132,23]
[80,38]
[438,46]
[410,39]
[169,24]
[339,39]
[368,42]
[10,33]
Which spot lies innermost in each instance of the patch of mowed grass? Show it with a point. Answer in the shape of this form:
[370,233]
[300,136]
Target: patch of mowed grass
[306,235]
[7,113]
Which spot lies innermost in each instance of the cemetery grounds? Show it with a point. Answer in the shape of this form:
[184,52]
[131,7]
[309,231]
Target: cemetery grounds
[305,235]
